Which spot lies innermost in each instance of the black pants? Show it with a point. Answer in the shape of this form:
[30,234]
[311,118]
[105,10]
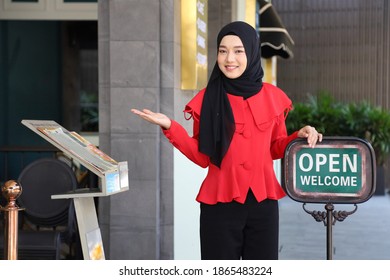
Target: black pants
[233,231]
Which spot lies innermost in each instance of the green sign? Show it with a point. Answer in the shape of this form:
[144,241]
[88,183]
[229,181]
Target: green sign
[337,170]
[330,170]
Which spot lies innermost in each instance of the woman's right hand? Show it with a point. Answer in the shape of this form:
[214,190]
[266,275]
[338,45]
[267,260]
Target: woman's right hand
[155,118]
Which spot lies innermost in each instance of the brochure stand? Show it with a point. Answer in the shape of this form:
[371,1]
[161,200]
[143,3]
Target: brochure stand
[113,177]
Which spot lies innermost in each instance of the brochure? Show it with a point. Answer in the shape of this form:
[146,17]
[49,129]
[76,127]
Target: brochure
[114,174]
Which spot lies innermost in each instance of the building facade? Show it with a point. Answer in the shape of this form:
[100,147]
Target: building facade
[138,54]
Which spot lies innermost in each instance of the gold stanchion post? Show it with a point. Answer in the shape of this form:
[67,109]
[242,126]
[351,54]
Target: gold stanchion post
[11,191]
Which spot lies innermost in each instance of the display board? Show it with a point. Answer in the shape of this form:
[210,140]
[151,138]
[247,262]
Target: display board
[113,174]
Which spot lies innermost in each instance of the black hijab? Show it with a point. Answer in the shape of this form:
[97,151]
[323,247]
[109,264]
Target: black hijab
[216,118]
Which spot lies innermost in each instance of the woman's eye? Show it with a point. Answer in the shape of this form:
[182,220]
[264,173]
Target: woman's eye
[222,51]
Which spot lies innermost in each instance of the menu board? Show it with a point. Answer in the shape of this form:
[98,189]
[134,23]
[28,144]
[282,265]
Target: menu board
[114,174]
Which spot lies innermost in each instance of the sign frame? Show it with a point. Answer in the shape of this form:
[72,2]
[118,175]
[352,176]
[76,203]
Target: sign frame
[367,171]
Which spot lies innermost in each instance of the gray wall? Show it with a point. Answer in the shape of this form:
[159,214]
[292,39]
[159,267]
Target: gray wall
[136,43]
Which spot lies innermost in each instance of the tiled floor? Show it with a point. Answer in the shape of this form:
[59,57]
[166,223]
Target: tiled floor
[364,235]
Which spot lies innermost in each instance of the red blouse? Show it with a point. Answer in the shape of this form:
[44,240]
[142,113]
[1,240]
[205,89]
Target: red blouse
[260,137]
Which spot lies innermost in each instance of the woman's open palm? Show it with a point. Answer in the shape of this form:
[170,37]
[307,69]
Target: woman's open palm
[152,117]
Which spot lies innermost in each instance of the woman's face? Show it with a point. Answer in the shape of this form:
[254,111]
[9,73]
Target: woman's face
[231,57]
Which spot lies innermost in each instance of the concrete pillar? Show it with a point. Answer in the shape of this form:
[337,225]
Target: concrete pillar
[136,66]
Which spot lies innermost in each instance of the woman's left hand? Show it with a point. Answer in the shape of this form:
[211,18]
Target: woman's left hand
[311,134]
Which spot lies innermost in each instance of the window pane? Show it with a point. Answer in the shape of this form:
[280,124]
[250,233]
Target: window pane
[89,90]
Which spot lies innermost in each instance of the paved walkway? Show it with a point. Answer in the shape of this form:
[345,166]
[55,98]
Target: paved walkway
[364,235]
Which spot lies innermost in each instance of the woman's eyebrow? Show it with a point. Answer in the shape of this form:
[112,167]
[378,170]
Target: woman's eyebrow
[236,47]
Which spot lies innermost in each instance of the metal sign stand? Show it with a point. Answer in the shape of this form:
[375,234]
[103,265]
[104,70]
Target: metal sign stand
[329,218]
[338,170]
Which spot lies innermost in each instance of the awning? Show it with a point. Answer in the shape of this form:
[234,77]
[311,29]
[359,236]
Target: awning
[274,37]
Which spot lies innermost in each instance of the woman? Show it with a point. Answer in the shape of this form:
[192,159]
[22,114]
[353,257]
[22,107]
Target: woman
[238,130]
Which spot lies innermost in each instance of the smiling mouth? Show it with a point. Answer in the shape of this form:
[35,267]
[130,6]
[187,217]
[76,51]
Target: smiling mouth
[230,68]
